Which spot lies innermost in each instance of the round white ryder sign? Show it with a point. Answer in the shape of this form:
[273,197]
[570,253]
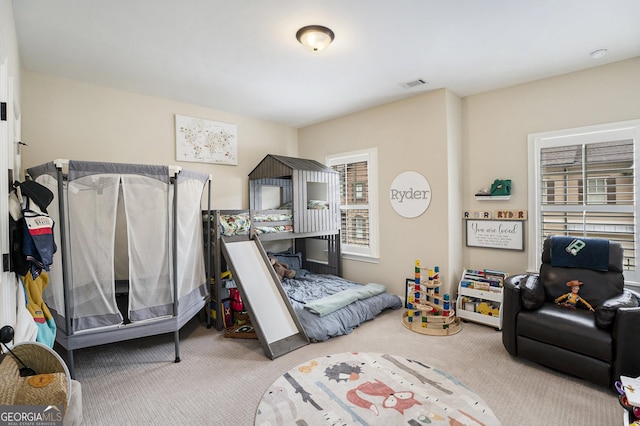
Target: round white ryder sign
[410,194]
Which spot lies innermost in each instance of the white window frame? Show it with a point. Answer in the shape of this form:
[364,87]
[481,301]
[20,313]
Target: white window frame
[590,134]
[371,253]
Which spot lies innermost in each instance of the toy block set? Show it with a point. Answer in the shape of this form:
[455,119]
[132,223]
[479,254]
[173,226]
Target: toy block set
[429,311]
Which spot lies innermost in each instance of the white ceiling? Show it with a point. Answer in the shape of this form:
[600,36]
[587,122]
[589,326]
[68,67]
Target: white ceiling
[241,56]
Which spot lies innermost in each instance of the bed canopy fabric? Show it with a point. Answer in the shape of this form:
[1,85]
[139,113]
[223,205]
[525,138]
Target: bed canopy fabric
[160,210]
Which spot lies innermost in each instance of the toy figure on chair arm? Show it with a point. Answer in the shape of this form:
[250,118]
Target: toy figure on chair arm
[572,299]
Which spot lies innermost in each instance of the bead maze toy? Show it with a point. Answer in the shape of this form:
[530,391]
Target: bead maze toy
[428,311]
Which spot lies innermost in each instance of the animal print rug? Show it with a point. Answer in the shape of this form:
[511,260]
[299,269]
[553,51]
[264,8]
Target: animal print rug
[370,389]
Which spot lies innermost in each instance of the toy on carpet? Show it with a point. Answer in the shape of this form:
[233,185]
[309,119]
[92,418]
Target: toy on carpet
[282,269]
[428,311]
[572,299]
[240,331]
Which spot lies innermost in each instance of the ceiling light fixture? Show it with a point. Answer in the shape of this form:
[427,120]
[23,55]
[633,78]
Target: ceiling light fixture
[315,37]
[597,54]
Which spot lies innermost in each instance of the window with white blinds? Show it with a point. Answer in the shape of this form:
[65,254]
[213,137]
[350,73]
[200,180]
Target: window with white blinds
[358,202]
[585,186]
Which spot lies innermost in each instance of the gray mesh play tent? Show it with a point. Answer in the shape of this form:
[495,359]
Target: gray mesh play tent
[127,230]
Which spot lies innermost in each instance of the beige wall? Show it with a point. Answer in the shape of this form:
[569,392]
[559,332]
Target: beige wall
[496,125]
[411,134]
[78,121]
[459,145]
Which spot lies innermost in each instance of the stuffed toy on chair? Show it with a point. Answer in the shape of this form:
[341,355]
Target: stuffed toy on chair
[572,299]
[282,269]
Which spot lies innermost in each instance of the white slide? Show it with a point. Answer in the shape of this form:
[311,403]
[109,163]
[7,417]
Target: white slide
[272,316]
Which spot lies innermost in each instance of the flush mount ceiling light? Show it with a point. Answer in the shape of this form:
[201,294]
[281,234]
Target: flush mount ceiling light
[597,54]
[315,37]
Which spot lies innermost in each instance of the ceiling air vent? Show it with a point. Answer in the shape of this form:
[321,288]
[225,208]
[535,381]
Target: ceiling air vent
[414,83]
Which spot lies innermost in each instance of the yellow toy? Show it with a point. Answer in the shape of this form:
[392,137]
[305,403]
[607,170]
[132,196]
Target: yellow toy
[570,300]
[486,309]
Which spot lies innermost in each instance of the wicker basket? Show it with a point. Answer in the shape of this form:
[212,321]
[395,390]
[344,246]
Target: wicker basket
[50,386]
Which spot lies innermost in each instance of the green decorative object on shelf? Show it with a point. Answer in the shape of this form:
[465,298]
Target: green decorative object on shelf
[501,187]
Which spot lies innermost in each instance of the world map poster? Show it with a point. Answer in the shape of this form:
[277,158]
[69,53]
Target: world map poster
[206,141]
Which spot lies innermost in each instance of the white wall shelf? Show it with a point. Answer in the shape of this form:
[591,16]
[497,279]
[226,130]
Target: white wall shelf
[493,197]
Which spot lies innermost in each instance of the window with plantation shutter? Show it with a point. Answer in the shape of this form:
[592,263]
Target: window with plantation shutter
[584,185]
[358,202]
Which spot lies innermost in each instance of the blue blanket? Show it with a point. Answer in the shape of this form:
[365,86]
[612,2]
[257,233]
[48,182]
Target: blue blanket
[570,252]
[307,287]
[332,303]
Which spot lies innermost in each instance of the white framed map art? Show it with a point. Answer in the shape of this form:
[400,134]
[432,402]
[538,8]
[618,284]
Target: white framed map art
[206,141]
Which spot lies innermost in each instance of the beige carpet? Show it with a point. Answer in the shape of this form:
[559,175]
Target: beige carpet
[221,381]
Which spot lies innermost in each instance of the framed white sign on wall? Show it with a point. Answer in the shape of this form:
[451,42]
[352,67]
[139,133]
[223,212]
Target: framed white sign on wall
[410,194]
[498,234]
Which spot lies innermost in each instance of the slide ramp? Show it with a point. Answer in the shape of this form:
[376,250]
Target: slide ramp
[271,313]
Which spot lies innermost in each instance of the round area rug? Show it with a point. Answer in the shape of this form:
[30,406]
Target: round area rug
[370,389]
